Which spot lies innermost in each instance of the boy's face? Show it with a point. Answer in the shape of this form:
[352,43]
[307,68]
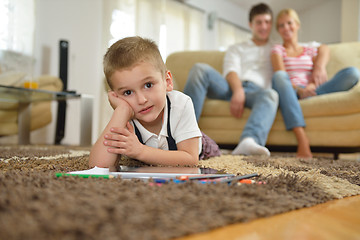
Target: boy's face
[144,88]
[261,27]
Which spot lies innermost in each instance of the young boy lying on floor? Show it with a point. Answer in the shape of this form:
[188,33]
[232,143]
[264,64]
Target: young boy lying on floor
[151,122]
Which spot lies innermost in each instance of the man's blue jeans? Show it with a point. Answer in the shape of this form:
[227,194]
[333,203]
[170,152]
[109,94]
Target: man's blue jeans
[288,100]
[204,81]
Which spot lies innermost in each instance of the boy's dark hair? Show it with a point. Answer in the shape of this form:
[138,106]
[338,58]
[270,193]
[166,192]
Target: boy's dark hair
[127,52]
[260,8]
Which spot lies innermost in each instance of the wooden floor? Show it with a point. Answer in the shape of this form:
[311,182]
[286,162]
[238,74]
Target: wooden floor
[338,219]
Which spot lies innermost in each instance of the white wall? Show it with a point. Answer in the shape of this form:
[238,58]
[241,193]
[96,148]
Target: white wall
[321,23]
[80,23]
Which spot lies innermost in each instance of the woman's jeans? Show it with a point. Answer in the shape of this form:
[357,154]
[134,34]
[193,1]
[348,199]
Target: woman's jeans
[204,81]
[288,100]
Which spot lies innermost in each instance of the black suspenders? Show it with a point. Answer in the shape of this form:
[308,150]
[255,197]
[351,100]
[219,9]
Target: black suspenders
[170,139]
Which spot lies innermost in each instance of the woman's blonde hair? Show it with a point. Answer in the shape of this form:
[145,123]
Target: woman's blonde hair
[130,51]
[290,12]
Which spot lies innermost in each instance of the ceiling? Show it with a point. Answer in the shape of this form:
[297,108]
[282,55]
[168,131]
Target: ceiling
[277,5]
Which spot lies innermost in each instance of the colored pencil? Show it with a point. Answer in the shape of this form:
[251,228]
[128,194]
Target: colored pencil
[83,175]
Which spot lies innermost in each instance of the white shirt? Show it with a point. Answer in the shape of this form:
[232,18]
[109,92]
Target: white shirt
[250,62]
[183,124]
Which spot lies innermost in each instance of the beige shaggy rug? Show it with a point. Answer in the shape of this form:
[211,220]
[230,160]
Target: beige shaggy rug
[34,204]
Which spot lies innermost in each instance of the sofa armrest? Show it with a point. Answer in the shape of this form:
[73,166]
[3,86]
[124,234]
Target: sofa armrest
[50,83]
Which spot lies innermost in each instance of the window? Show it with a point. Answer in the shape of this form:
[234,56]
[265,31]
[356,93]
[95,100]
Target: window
[230,34]
[184,27]
[17,18]
[164,21]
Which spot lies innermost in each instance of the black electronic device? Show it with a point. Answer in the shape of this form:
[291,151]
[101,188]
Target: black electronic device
[63,75]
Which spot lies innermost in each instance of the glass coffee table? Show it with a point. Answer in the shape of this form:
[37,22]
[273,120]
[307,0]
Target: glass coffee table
[25,96]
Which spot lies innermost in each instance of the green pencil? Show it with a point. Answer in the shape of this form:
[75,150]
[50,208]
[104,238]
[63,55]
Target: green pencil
[83,175]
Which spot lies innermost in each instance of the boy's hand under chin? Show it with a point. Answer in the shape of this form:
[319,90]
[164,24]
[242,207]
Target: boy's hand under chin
[124,141]
[115,102]
[113,99]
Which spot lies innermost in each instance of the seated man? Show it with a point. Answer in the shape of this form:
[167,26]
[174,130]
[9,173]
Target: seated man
[246,83]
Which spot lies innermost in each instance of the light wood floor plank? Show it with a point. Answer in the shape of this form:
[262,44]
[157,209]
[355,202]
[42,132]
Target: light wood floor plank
[338,219]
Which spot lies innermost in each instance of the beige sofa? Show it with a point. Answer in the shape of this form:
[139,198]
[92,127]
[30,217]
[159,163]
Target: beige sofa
[13,69]
[40,111]
[333,120]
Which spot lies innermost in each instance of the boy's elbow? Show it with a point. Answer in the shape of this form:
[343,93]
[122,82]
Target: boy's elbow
[92,162]
[195,161]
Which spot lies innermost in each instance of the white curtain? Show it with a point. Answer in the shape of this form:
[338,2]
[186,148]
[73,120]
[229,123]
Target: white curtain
[184,27]
[229,34]
[17,23]
[172,25]
[118,20]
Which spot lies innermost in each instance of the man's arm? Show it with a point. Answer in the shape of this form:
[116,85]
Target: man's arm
[237,102]
[319,74]
[232,70]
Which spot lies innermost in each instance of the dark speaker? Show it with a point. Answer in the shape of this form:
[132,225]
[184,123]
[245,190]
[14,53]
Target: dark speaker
[63,75]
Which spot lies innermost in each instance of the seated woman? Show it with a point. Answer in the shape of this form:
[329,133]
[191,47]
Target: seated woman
[300,72]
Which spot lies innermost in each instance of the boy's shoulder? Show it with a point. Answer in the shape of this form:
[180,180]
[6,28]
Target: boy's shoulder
[175,94]
[178,98]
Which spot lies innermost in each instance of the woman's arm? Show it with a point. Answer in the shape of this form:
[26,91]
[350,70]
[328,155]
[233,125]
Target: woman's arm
[306,92]
[278,65]
[319,74]
[277,62]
